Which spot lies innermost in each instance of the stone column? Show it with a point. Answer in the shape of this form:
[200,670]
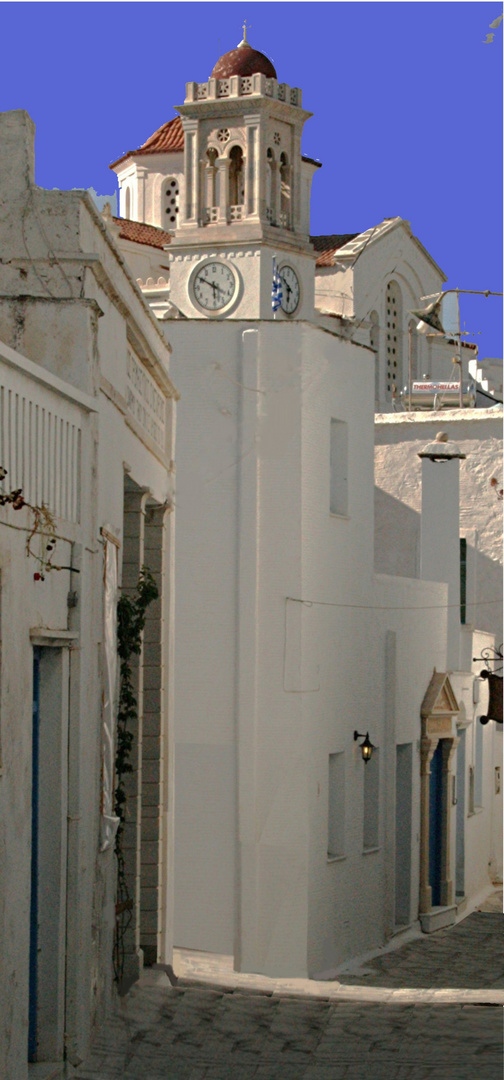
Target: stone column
[427,749]
[141,176]
[295,179]
[210,176]
[190,209]
[448,749]
[251,166]
[275,192]
[223,167]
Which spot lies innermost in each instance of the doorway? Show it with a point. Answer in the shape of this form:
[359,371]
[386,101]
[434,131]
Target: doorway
[404,777]
[435,823]
[46,1003]
[460,817]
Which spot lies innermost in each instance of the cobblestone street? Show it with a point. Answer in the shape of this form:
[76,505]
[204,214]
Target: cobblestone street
[202,1034]
[430,1009]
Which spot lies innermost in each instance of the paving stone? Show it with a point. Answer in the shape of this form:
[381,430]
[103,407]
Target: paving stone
[203,1032]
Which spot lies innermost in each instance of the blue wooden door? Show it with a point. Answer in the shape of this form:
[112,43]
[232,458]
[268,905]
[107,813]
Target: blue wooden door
[435,823]
[32,1000]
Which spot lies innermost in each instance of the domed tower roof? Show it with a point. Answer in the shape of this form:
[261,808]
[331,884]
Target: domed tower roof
[244,60]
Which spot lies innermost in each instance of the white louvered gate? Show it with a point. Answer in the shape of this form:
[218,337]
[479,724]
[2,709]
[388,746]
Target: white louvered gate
[40,444]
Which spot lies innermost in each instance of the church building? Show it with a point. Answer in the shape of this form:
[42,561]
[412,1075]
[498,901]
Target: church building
[295,849]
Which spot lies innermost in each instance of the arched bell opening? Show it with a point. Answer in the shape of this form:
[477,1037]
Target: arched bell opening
[285,192]
[271,187]
[236,183]
[212,185]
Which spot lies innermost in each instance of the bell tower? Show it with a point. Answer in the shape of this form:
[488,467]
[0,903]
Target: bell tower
[246,192]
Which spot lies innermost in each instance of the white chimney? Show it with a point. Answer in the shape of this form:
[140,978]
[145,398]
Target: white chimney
[440,529]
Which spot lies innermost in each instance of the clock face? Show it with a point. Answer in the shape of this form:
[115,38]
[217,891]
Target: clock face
[214,285]
[290,289]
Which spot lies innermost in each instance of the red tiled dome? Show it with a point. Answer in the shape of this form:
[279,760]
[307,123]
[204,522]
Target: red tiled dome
[243,60]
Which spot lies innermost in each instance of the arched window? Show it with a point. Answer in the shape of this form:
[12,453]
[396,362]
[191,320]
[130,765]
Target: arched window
[374,341]
[393,314]
[271,187]
[212,185]
[170,202]
[236,178]
[127,203]
[285,191]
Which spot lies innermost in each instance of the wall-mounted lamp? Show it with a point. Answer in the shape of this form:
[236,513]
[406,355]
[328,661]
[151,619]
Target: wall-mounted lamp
[366,746]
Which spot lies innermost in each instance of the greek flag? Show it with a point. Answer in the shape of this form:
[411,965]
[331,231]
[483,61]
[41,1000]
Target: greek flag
[276,289]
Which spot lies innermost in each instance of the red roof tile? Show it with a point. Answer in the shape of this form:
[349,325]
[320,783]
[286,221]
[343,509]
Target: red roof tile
[140,233]
[169,138]
[328,246]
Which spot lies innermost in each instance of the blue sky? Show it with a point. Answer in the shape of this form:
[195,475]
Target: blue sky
[406,101]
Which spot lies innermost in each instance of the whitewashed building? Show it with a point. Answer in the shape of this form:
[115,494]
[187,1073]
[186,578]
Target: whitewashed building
[292,854]
[87,438]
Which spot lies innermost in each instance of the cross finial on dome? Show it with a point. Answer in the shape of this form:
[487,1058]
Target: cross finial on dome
[244,38]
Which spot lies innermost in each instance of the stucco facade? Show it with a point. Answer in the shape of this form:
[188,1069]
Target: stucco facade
[478,433]
[277,604]
[87,431]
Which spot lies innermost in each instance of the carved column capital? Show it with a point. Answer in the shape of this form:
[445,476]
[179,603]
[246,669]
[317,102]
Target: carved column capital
[428,746]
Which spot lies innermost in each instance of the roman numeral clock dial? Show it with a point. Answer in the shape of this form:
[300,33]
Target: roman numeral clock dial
[214,286]
[290,289]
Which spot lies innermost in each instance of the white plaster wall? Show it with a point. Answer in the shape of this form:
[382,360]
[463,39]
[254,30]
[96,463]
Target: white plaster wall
[484,829]
[248,409]
[352,898]
[481,864]
[144,176]
[144,261]
[292,498]
[72,323]
[206,365]
[307,174]
[343,671]
[334,290]
[264,684]
[44,604]
[478,434]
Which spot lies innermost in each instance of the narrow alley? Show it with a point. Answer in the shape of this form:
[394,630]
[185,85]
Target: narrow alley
[430,1009]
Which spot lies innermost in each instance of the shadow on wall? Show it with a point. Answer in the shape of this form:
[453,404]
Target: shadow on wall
[397,537]
[397,552]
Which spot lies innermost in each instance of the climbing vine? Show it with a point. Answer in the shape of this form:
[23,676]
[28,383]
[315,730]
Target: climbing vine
[131,614]
[42,529]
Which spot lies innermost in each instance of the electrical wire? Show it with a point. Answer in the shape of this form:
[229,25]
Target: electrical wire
[386,607]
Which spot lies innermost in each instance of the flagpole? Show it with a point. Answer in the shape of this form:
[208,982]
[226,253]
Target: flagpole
[274,278]
[276,288]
